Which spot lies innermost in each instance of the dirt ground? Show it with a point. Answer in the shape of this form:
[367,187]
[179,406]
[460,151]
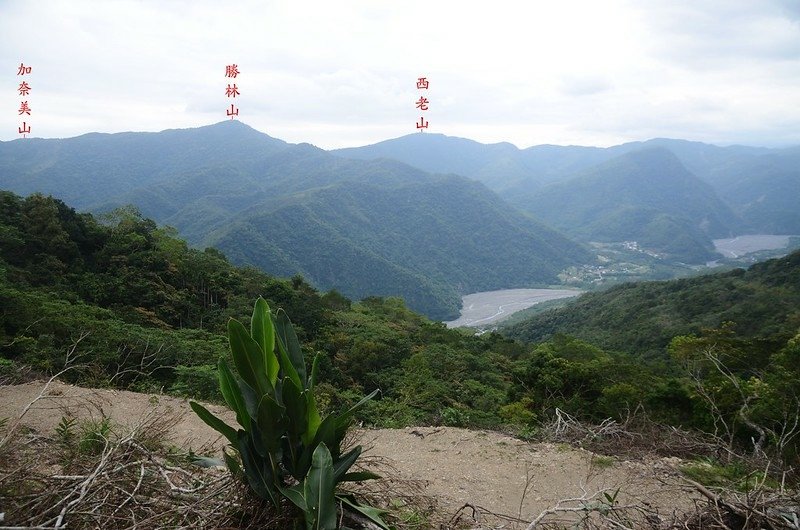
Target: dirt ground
[457,466]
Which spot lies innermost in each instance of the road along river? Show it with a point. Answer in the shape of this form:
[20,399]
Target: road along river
[488,307]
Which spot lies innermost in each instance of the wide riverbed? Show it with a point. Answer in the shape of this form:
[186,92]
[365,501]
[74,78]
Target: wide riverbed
[741,245]
[488,307]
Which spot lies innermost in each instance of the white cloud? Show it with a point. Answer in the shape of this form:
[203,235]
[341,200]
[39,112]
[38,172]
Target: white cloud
[342,73]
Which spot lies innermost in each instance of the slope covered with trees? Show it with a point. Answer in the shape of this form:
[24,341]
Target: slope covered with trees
[124,303]
[755,183]
[646,196]
[503,167]
[766,191]
[426,241]
[763,303]
[363,227]
[93,168]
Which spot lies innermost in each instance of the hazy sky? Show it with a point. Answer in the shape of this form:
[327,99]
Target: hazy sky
[343,73]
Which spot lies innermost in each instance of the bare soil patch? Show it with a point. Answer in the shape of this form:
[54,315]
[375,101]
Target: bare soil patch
[458,466]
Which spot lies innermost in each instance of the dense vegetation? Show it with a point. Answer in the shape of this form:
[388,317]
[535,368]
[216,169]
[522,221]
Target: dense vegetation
[361,227]
[758,184]
[125,303]
[428,241]
[641,318]
[766,191]
[645,196]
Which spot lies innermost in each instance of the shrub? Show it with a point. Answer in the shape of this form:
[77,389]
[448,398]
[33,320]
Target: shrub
[196,381]
[284,448]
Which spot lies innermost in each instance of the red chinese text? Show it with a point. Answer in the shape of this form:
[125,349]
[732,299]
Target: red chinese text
[24,89]
[232,70]
[422,103]
[231,91]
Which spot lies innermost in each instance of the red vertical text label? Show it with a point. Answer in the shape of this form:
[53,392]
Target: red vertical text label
[422,103]
[24,90]
[232,90]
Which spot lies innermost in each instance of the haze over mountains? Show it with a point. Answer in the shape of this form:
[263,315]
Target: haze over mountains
[362,227]
[671,204]
[647,196]
[395,218]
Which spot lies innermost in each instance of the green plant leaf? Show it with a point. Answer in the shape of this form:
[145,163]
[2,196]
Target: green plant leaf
[256,470]
[326,433]
[344,419]
[295,494]
[289,346]
[359,476]
[272,423]
[345,462]
[232,394]
[373,514]
[319,489]
[232,463]
[248,358]
[262,331]
[314,418]
[257,440]
[251,399]
[314,372]
[296,409]
[215,423]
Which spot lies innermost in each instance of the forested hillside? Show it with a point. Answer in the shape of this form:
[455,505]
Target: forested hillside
[124,303]
[755,183]
[640,319]
[88,170]
[766,190]
[645,196]
[362,227]
[428,241]
[638,191]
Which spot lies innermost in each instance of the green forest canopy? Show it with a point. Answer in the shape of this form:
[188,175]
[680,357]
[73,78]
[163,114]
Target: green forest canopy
[136,308]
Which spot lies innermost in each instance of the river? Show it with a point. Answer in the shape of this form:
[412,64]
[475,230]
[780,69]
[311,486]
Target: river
[741,245]
[489,307]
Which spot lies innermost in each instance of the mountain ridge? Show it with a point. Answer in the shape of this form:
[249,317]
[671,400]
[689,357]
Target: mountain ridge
[222,184]
[535,167]
[645,195]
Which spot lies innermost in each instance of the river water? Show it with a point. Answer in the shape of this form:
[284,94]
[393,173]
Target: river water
[488,307]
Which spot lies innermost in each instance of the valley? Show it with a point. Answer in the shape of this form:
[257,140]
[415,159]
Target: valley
[123,304]
[426,218]
[400,266]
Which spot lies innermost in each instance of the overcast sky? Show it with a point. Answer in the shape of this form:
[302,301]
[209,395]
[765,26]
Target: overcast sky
[343,73]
